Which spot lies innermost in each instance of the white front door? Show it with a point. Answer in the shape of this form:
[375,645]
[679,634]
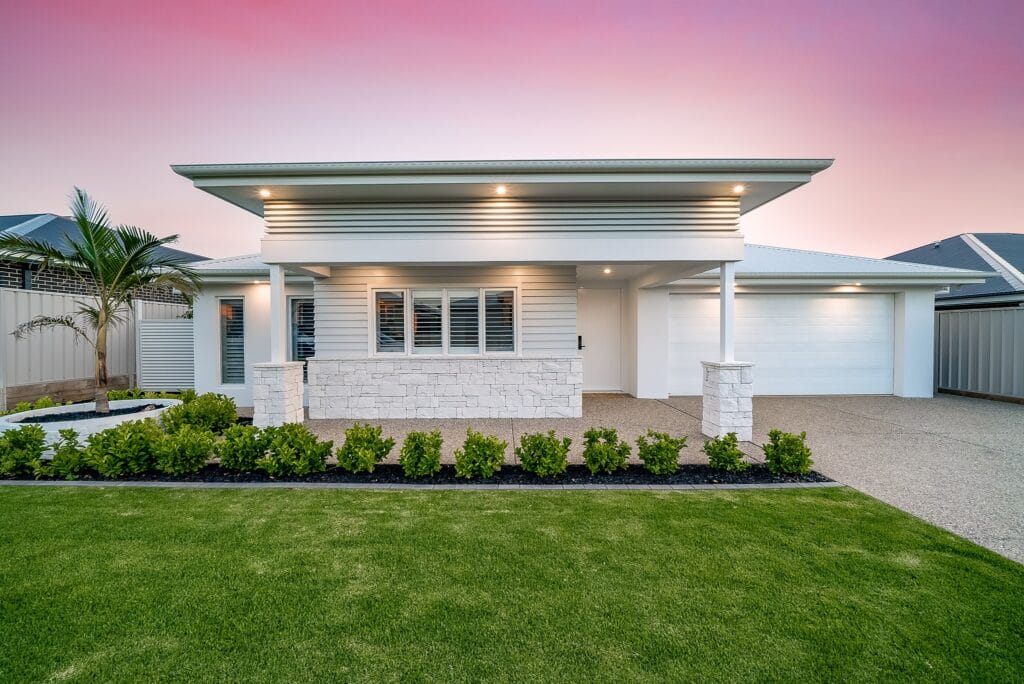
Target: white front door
[600,314]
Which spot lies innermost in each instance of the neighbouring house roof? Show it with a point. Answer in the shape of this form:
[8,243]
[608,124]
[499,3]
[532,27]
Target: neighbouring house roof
[1001,254]
[537,179]
[760,261]
[53,230]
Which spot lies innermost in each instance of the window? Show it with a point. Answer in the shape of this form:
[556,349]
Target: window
[302,328]
[457,321]
[232,342]
[26,277]
[390,308]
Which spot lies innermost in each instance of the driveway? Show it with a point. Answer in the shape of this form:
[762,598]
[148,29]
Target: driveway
[954,461]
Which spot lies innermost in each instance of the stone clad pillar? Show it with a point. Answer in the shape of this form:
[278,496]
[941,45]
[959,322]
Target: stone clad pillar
[728,399]
[277,393]
[728,388]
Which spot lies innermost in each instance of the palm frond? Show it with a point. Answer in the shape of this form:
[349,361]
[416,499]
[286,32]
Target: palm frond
[42,322]
[29,249]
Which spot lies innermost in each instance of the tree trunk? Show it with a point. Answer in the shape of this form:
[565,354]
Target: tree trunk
[102,404]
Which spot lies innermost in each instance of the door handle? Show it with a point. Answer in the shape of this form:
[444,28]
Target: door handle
[579,341]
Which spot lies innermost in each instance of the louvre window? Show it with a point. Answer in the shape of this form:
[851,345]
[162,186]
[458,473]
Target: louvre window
[454,321]
[390,308]
[302,333]
[499,306]
[464,321]
[232,342]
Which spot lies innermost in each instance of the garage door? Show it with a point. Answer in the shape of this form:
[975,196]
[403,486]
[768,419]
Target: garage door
[799,343]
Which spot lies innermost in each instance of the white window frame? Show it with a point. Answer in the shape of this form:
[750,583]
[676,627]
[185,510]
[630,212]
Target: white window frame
[220,342]
[407,309]
[291,328]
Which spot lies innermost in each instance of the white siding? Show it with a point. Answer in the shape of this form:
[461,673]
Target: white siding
[547,296]
[501,215]
[53,355]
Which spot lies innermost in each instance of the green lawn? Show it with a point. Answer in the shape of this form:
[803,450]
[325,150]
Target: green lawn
[826,584]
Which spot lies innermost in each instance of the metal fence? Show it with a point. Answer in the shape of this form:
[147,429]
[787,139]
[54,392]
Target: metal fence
[980,351]
[49,359]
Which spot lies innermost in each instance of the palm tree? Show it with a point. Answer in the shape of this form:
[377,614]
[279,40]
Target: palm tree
[113,263]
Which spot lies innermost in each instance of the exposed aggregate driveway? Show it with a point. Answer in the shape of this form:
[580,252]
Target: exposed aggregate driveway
[954,461]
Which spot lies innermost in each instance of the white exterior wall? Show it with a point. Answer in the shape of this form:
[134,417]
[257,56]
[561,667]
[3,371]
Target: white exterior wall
[206,320]
[914,359]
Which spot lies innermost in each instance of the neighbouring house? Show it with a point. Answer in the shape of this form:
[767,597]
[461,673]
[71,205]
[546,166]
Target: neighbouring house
[51,362]
[979,326]
[510,288]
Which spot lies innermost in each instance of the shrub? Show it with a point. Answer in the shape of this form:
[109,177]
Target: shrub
[603,452]
[128,448]
[22,406]
[660,452]
[68,457]
[187,395]
[364,448]
[293,450]
[724,454]
[543,454]
[480,455]
[118,395]
[421,454]
[786,453]
[21,449]
[184,452]
[44,402]
[242,447]
[212,412]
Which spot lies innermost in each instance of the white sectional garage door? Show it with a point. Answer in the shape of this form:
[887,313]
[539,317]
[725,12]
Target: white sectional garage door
[799,343]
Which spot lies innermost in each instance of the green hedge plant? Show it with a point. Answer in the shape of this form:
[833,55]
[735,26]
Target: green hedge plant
[130,448]
[185,452]
[786,454]
[421,454]
[212,412]
[21,450]
[659,452]
[603,452]
[68,460]
[724,454]
[542,454]
[242,447]
[292,450]
[480,455]
[364,448]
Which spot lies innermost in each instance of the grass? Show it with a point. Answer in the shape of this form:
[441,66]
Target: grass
[120,584]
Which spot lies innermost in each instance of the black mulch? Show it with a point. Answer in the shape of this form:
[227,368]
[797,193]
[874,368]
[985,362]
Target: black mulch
[576,474]
[86,415]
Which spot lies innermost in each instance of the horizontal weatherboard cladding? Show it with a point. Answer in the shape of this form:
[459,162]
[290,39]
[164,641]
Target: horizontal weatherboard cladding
[502,215]
[547,303]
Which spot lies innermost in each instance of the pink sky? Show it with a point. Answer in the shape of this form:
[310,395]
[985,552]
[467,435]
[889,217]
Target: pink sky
[920,102]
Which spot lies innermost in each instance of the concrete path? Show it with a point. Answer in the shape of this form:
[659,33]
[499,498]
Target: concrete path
[954,461]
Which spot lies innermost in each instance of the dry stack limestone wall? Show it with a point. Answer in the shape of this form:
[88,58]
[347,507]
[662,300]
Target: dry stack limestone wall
[548,387]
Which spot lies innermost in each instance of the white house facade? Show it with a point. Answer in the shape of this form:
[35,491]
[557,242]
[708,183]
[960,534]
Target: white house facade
[508,289]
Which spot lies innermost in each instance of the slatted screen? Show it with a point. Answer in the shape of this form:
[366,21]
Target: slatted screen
[302,333]
[166,355]
[232,341]
[500,320]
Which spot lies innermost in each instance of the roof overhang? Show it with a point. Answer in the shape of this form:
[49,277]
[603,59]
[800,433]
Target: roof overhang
[647,179]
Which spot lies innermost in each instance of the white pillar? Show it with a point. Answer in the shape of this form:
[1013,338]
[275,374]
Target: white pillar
[727,311]
[914,358]
[278,316]
[651,342]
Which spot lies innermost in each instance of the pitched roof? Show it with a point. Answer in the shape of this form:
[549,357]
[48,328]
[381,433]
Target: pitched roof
[978,251]
[54,230]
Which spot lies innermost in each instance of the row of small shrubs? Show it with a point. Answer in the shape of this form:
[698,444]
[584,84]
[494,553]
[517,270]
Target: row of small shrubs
[40,403]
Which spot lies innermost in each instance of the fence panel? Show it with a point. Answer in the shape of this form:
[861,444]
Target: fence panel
[980,351]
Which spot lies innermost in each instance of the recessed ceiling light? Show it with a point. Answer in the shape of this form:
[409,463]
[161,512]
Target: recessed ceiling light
[501,189]
[857,284]
[739,189]
[607,271]
[264,193]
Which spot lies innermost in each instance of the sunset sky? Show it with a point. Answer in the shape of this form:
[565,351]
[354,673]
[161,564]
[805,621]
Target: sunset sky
[921,103]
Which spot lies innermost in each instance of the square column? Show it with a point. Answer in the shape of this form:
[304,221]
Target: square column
[728,399]
[728,388]
[277,393]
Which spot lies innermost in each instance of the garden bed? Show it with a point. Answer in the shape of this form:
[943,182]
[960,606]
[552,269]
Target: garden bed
[689,473]
[67,416]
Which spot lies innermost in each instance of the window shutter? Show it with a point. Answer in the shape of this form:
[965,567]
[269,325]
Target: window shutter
[232,342]
[390,312]
[499,308]
[464,321]
[303,331]
[426,322]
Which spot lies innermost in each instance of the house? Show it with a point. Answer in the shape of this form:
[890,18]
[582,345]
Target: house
[979,326]
[1000,253]
[510,288]
[51,362]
